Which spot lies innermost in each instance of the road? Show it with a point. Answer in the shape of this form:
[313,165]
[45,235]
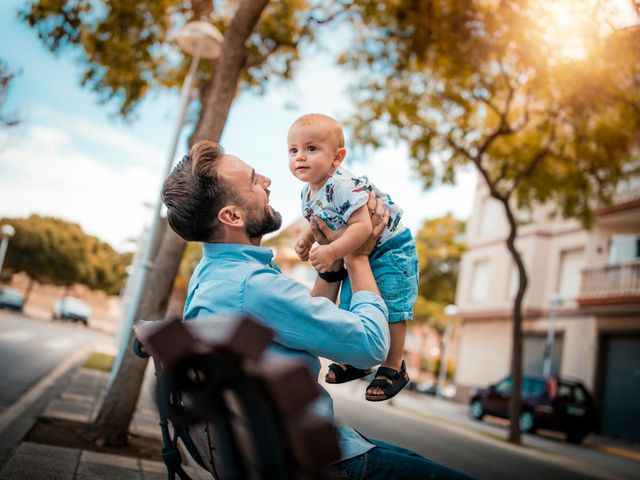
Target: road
[474,453]
[29,349]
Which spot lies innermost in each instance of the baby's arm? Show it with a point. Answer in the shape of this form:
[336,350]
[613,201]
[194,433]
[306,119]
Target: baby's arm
[357,232]
[304,243]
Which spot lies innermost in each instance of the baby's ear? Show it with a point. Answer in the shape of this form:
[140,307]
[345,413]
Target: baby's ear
[340,154]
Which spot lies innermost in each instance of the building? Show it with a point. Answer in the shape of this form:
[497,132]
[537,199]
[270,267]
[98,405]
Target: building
[595,273]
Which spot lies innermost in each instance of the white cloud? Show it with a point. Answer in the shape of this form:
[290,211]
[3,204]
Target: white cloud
[43,173]
[132,149]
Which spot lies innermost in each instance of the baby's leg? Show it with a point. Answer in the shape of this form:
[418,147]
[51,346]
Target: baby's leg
[398,331]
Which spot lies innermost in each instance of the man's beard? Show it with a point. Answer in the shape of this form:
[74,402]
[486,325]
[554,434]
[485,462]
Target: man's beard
[267,221]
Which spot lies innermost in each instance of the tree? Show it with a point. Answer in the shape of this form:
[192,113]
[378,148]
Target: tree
[6,77]
[440,246]
[546,117]
[261,41]
[50,250]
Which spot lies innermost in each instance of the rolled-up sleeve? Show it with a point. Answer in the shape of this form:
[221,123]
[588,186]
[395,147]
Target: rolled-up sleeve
[359,337]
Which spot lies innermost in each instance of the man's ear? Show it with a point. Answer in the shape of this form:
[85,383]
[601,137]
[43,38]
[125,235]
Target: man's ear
[231,215]
[340,154]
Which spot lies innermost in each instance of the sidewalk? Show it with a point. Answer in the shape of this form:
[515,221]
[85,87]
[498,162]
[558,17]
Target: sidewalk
[79,400]
[598,455]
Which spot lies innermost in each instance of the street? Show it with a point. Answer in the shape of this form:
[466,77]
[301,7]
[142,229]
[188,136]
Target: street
[474,452]
[29,349]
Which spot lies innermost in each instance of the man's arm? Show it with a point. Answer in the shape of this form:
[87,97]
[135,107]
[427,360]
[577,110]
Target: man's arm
[359,337]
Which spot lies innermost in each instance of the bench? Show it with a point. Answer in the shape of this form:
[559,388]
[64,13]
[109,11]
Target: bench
[240,414]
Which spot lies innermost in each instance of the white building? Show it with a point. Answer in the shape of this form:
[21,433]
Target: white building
[597,275]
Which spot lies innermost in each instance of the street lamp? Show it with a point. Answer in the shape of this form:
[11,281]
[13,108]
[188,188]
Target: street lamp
[201,40]
[556,301]
[7,231]
[450,311]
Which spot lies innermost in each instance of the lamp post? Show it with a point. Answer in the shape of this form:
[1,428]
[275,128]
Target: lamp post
[7,231]
[201,40]
[450,311]
[556,301]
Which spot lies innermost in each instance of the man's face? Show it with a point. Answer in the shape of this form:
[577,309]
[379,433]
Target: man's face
[252,193]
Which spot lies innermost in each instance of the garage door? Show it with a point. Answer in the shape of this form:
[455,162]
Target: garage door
[621,387]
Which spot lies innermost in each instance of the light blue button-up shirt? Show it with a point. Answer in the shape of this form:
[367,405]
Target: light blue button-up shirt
[234,279]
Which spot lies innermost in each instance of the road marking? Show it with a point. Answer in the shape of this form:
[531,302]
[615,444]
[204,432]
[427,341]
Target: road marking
[58,344]
[17,336]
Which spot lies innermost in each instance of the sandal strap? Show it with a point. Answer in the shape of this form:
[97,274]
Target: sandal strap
[379,382]
[392,373]
[337,369]
[346,374]
[387,372]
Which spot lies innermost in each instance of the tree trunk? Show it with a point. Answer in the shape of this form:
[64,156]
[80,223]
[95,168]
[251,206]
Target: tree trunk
[516,353]
[111,425]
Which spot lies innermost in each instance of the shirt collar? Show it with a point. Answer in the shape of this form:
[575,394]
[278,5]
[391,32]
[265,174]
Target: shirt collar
[237,251]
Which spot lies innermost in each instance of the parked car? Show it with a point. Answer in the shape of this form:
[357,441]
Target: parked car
[11,298]
[71,308]
[552,402]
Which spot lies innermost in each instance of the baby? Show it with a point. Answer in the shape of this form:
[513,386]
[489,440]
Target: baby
[316,151]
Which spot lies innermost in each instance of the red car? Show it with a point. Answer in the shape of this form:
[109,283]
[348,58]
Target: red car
[551,402]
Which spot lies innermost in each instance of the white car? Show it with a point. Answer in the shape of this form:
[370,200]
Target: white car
[71,308]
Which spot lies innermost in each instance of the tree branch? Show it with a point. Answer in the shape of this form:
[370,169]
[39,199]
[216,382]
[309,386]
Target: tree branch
[533,164]
[311,20]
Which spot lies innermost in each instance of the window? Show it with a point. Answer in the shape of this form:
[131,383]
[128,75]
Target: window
[624,248]
[504,387]
[480,281]
[571,264]
[533,386]
[490,217]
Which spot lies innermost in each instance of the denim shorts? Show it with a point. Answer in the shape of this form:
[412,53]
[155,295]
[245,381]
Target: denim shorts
[395,268]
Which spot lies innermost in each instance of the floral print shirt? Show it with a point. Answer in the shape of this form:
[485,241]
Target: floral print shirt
[341,195]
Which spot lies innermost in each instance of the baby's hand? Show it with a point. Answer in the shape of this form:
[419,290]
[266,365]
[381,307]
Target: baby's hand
[322,258]
[303,247]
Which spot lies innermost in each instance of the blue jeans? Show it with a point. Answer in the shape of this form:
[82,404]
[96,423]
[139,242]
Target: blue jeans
[389,462]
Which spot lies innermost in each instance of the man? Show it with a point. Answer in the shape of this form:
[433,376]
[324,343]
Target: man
[219,200]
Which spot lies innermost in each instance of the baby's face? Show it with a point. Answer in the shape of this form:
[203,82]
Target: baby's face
[312,153]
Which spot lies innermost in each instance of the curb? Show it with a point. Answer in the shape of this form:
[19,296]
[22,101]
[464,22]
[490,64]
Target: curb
[19,418]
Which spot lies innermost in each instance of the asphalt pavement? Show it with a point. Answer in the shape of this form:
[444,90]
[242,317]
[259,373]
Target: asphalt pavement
[30,349]
[474,452]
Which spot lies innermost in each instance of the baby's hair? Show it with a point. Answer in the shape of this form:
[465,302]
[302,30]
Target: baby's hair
[332,123]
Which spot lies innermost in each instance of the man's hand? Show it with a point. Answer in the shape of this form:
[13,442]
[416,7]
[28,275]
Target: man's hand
[379,219]
[323,258]
[302,248]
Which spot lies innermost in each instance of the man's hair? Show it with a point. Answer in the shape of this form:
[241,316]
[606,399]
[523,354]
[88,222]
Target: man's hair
[194,194]
[330,122]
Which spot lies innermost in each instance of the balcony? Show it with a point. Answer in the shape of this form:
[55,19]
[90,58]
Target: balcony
[617,283]
[627,197]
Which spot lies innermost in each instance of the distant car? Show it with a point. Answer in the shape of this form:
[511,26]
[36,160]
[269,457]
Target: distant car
[71,308]
[11,298]
[552,402]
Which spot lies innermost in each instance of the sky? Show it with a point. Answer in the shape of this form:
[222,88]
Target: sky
[71,157]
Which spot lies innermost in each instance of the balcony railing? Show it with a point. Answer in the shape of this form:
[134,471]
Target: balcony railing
[610,284]
[627,193]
